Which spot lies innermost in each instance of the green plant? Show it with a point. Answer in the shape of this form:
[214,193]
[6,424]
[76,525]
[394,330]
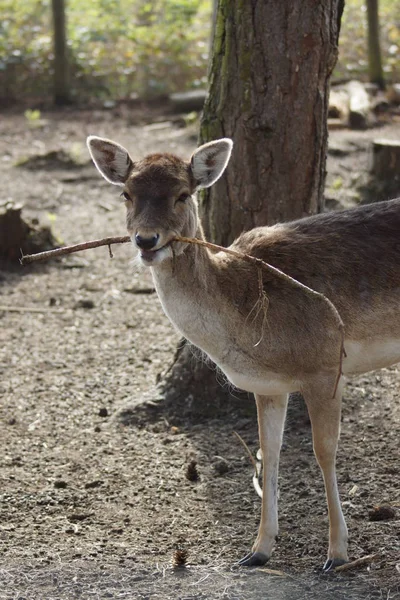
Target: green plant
[124,47]
[33,118]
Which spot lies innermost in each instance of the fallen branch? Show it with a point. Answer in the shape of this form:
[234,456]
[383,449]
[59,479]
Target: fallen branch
[356,563]
[32,309]
[274,572]
[29,258]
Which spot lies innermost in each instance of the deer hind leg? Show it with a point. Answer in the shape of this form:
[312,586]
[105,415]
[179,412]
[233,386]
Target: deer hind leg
[324,414]
[271,419]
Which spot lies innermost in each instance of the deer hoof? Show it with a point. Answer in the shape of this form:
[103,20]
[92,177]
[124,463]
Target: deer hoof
[331,563]
[254,559]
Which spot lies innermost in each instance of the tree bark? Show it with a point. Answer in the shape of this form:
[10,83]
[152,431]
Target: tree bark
[374,48]
[60,64]
[269,92]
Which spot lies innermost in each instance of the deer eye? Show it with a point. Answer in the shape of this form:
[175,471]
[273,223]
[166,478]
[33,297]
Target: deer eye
[183,198]
[126,196]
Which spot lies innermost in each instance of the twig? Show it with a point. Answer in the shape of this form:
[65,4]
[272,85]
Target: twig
[281,275]
[241,440]
[28,258]
[261,305]
[356,563]
[260,264]
[274,572]
[33,309]
[253,462]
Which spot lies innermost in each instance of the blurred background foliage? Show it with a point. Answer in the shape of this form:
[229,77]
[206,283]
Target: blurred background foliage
[116,47]
[353,54]
[123,48]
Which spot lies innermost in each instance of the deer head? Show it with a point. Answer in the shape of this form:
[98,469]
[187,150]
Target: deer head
[159,191]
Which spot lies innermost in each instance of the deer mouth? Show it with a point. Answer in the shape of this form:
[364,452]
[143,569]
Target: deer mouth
[156,256]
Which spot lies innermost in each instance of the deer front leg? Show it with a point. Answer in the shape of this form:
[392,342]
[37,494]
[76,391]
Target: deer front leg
[271,413]
[324,414]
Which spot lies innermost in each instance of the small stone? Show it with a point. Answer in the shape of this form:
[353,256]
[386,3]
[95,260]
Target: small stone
[221,466]
[60,484]
[93,484]
[382,513]
[84,303]
[103,412]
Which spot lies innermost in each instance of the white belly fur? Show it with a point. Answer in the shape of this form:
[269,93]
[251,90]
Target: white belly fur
[370,355]
[207,332]
[361,357]
[271,384]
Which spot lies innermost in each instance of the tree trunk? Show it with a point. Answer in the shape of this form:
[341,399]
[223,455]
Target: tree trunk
[269,92]
[374,49]
[269,86]
[60,63]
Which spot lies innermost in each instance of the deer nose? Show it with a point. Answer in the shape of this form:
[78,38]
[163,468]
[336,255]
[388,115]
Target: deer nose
[146,243]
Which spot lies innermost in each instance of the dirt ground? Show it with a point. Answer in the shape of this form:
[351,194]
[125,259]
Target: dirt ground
[94,507]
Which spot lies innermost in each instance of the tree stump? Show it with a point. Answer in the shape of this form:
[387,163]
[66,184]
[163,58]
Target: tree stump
[18,235]
[386,159]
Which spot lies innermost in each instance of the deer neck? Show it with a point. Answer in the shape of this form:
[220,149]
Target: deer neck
[187,286]
[186,272]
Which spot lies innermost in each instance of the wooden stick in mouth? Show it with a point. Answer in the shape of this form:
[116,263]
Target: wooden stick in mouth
[29,258]
[257,262]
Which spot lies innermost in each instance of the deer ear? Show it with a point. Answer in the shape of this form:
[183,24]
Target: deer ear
[111,159]
[209,161]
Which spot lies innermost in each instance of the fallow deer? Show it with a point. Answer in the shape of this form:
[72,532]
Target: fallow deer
[350,256]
